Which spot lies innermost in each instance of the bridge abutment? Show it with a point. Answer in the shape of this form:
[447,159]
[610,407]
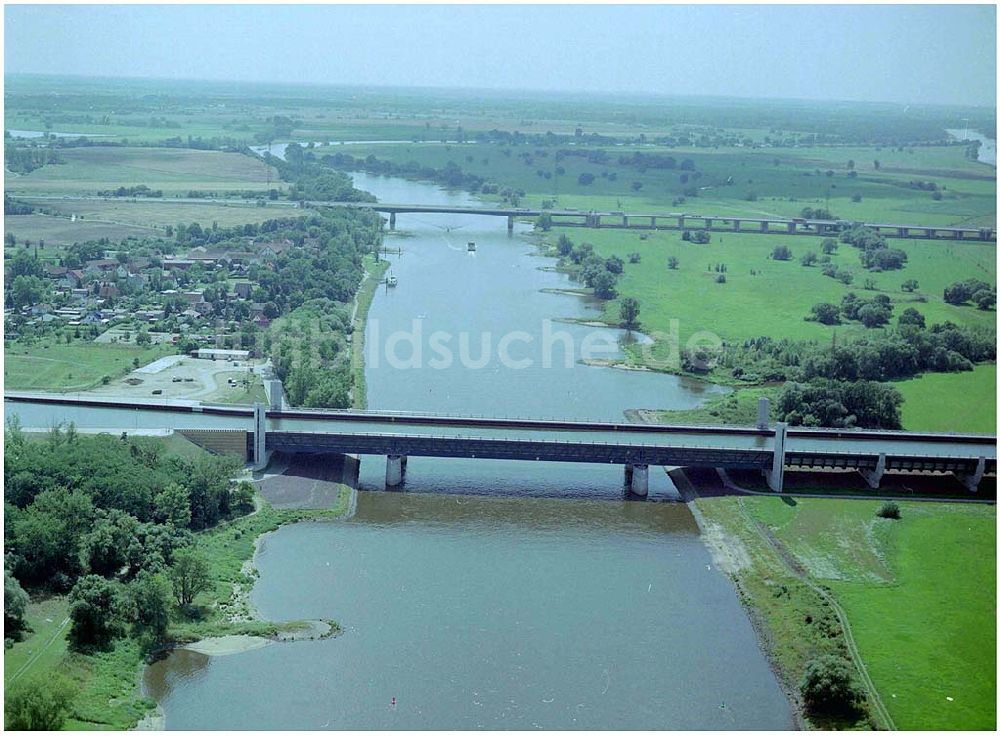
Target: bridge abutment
[392,220]
[395,470]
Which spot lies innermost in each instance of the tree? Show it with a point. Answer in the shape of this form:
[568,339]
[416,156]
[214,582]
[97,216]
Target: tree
[585,179]
[672,263]
[112,544]
[809,258]
[604,285]
[564,245]
[173,505]
[910,285]
[26,290]
[873,315]
[829,246]
[149,598]
[826,314]
[15,603]
[628,310]
[828,687]
[544,222]
[614,264]
[95,610]
[243,496]
[189,575]
[781,253]
[38,703]
[911,316]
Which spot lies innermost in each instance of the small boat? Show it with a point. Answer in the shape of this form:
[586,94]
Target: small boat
[391,281]
[472,246]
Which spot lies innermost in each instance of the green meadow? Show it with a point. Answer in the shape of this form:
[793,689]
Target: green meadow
[49,365]
[943,402]
[762,296]
[920,593]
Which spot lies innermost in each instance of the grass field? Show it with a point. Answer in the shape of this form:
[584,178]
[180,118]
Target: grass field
[175,171]
[51,366]
[160,214]
[948,401]
[61,231]
[776,300]
[920,594]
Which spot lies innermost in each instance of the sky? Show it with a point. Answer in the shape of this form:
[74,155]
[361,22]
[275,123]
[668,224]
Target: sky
[940,54]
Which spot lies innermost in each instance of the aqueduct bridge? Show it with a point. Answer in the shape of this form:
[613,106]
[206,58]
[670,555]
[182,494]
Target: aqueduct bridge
[253,432]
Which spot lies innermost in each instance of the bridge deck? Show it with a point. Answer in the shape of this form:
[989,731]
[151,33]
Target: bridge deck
[442,436]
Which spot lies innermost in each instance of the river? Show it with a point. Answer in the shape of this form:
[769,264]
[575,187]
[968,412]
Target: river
[987,153]
[490,595]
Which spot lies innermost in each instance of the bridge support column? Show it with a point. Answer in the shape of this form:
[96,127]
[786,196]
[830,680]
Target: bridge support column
[276,393]
[791,227]
[680,221]
[259,436]
[776,475]
[708,223]
[392,220]
[395,470]
[763,412]
[736,226]
[971,481]
[510,223]
[637,480]
[903,232]
[624,220]
[652,223]
[874,477]
[764,225]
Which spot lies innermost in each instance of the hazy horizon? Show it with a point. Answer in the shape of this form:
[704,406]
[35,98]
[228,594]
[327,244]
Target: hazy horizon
[830,53]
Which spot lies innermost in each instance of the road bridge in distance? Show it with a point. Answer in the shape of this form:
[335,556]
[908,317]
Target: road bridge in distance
[679,221]
[259,431]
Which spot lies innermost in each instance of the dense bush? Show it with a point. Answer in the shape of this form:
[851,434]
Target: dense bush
[974,290]
[840,404]
[38,703]
[828,687]
[888,510]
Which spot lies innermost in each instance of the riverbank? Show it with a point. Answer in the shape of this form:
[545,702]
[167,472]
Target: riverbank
[374,271]
[827,576]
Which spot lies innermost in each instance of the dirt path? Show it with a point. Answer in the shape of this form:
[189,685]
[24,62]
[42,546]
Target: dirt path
[34,658]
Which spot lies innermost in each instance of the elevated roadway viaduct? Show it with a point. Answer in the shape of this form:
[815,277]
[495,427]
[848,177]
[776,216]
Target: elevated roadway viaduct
[678,221]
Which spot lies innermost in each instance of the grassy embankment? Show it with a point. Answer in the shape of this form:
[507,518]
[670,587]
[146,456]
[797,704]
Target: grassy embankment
[920,595]
[366,293]
[897,582]
[108,696]
[48,365]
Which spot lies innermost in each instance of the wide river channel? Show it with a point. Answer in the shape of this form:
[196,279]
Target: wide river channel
[490,594]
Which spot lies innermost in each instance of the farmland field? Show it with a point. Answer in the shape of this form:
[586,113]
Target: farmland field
[59,231]
[175,171]
[159,214]
[948,401]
